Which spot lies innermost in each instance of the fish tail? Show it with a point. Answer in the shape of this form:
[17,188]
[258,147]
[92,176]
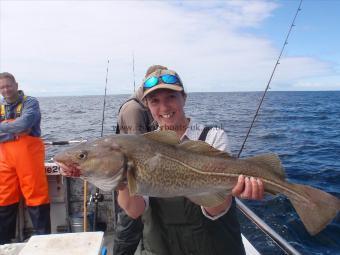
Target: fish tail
[315,207]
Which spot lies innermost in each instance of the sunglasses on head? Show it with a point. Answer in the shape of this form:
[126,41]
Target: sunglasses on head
[165,78]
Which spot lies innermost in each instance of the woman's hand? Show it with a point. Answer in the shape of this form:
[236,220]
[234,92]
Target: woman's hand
[248,188]
[134,206]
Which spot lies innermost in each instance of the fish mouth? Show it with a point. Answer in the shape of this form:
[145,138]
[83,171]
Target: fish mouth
[71,170]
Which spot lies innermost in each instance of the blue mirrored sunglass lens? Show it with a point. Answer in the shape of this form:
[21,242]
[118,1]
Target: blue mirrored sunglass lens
[152,81]
[169,79]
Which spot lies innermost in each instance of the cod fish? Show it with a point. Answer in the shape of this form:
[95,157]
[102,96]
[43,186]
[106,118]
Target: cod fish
[156,164]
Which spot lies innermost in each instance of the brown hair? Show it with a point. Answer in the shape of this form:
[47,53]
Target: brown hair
[153,68]
[6,75]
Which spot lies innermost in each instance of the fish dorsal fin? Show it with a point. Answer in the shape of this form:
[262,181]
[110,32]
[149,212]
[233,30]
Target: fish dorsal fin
[168,137]
[209,200]
[270,160]
[203,148]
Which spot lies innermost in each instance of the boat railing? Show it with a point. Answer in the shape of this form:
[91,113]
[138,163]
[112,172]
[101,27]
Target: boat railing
[279,240]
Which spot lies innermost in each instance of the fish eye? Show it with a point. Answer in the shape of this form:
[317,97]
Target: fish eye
[82,155]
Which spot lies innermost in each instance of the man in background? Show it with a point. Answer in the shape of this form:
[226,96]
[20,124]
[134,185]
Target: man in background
[22,156]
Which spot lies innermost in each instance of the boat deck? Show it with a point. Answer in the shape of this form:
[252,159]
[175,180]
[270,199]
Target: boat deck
[76,243]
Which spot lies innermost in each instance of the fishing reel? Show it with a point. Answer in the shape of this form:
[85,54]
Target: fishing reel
[96,198]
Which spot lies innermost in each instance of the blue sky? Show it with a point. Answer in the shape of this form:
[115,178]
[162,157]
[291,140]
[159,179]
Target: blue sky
[62,47]
[317,30]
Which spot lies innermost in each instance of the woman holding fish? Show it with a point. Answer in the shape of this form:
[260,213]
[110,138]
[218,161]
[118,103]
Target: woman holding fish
[181,185]
[177,225]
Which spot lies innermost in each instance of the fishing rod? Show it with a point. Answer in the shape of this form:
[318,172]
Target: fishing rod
[280,241]
[63,142]
[271,77]
[133,71]
[97,197]
[104,101]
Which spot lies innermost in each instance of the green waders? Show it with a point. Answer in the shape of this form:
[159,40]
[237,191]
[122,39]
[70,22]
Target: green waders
[176,226]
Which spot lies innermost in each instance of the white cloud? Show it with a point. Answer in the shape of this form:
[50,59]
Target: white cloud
[234,13]
[61,47]
[320,83]
[293,68]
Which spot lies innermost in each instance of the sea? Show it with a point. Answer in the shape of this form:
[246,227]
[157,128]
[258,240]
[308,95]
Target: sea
[303,128]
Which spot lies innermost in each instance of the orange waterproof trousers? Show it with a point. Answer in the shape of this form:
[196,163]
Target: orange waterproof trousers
[22,171]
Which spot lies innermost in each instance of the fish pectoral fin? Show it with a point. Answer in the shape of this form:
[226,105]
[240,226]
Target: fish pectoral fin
[203,148]
[168,137]
[132,184]
[209,200]
[271,161]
